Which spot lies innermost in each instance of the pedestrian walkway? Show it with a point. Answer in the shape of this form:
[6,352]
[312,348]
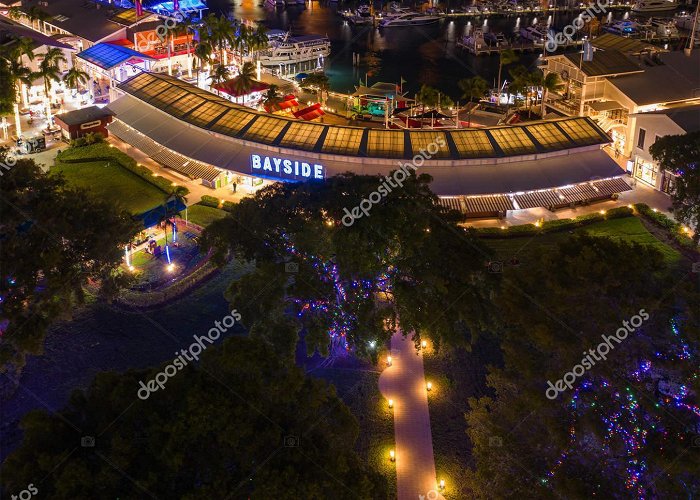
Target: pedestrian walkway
[404,383]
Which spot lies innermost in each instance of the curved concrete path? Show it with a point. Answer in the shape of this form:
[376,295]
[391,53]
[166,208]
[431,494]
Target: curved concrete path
[404,382]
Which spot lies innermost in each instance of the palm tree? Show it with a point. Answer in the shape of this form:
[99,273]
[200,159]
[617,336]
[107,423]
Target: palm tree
[186,26]
[550,83]
[74,77]
[220,74]
[19,76]
[471,88]
[244,81]
[534,80]
[50,72]
[272,96]
[220,34]
[36,14]
[178,195]
[14,13]
[519,81]
[203,52]
[259,40]
[505,58]
[320,81]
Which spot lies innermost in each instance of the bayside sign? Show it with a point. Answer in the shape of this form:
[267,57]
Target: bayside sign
[284,169]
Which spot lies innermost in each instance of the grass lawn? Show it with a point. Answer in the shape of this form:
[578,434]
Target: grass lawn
[359,390]
[629,229]
[112,182]
[203,216]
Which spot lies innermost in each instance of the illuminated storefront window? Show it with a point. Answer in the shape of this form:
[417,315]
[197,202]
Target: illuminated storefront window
[646,171]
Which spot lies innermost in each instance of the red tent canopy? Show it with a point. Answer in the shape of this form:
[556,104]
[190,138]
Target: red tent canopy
[313,111]
[289,101]
[229,86]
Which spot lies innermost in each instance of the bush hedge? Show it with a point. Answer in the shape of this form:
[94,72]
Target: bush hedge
[552,226]
[105,152]
[228,206]
[209,201]
[676,230]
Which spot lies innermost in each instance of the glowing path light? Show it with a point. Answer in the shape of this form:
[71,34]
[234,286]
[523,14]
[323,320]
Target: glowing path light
[127,257]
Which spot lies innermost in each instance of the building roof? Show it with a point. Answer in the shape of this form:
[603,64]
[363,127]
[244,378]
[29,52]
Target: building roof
[604,63]
[8,27]
[229,87]
[668,77]
[207,111]
[628,46]
[84,115]
[450,178]
[686,117]
[92,21]
[108,56]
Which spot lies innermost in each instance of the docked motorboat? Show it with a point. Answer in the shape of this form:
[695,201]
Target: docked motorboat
[363,15]
[685,22]
[289,49]
[496,39]
[664,28]
[643,6]
[622,28]
[408,19]
[535,34]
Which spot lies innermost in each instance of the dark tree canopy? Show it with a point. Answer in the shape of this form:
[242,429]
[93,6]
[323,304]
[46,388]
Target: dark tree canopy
[612,423]
[407,259]
[242,424]
[681,154]
[55,239]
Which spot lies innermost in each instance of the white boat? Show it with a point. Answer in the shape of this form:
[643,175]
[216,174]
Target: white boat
[685,22]
[642,6]
[622,28]
[534,34]
[295,49]
[408,19]
[664,28]
[363,15]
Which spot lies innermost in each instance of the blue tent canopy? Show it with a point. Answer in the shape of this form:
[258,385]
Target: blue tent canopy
[155,215]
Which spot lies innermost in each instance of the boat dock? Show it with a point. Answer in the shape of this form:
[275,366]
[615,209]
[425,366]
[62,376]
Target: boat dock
[519,47]
[474,12]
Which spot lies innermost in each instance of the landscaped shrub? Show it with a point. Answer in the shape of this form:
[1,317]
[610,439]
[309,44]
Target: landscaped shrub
[619,212]
[552,226]
[209,201]
[675,229]
[228,206]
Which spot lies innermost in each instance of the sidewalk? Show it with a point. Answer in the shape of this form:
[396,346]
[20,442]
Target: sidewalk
[404,382]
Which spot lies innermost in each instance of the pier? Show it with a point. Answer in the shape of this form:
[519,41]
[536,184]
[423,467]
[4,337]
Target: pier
[483,49]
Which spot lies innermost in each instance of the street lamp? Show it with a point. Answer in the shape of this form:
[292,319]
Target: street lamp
[388,360]
[442,485]
[391,403]
[429,386]
[424,344]
[392,456]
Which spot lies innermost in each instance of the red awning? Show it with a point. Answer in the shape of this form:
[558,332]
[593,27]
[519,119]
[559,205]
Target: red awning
[287,102]
[228,87]
[310,113]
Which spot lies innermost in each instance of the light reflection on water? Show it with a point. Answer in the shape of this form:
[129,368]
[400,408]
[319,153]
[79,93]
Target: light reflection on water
[421,55]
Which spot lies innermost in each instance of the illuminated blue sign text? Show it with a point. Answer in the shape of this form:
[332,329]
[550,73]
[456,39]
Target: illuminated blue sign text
[269,166]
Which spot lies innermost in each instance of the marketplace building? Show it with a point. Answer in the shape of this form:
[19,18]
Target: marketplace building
[481,172]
